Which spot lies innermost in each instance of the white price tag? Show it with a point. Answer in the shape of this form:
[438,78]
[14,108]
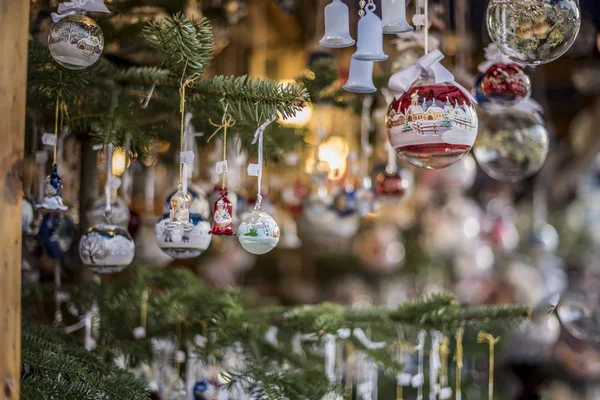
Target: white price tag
[115,182]
[253,169]
[49,139]
[404,379]
[418,380]
[97,147]
[186,157]
[139,332]
[180,357]
[221,167]
[200,341]
[41,157]
[445,393]
[419,20]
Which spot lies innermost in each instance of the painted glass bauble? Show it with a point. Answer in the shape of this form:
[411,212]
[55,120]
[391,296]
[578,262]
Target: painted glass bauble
[119,211]
[511,146]
[198,202]
[258,233]
[533,31]
[106,249]
[183,243]
[432,125]
[56,233]
[505,84]
[223,216]
[76,42]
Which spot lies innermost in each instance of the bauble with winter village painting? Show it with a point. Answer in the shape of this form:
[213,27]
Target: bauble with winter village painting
[258,233]
[76,42]
[106,249]
[432,125]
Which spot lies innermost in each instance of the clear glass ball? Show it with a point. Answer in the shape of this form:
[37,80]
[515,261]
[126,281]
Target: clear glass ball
[511,146]
[579,313]
[432,125]
[258,233]
[106,249]
[182,243]
[76,42]
[505,84]
[533,31]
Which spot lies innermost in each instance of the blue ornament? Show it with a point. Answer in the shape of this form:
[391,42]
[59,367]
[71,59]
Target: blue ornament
[477,92]
[200,389]
[56,234]
[53,192]
[345,203]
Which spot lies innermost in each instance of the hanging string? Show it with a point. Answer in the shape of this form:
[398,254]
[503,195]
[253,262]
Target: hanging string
[226,122]
[420,380]
[426,13]
[108,185]
[444,352]
[349,370]
[484,337]
[188,83]
[56,111]
[178,342]
[144,309]
[458,358]
[258,136]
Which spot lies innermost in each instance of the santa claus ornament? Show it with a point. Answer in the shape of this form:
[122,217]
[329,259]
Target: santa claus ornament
[432,122]
[502,81]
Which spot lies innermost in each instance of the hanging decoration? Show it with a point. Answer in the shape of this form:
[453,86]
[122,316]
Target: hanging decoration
[513,143]
[107,248]
[337,26]
[223,209]
[432,123]
[502,81]
[533,31]
[393,13]
[418,380]
[458,359]
[484,337]
[578,314]
[75,40]
[259,233]
[393,183]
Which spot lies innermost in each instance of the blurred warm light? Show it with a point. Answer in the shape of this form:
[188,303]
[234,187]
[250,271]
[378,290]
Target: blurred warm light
[120,161]
[302,116]
[334,152]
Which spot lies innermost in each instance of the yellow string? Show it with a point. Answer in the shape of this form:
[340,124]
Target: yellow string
[458,358]
[444,351]
[57,108]
[144,311]
[226,122]
[349,370]
[189,82]
[484,337]
[399,348]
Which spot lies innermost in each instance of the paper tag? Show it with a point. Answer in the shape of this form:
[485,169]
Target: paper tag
[221,167]
[49,139]
[418,380]
[419,20]
[97,147]
[41,157]
[139,332]
[186,157]
[180,357]
[115,182]
[253,169]
[445,393]
[404,379]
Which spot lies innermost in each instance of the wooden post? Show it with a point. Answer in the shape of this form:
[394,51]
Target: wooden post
[14,27]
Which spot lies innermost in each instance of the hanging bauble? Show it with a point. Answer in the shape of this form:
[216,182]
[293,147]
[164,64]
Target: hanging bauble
[505,84]
[512,145]
[430,125]
[198,202]
[76,41]
[258,233]
[239,203]
[533,31]
[223,216]
[345,202]
[544,238]
[53,192]
[477,92]
[106,248]
[337,26]
[56,233]
[393,184]
[579,313]
[366,201]
[183,243]
[120,214]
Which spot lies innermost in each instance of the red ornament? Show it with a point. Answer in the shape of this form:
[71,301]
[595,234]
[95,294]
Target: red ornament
[392,185]
[223,216]
[506,84]
[432,125]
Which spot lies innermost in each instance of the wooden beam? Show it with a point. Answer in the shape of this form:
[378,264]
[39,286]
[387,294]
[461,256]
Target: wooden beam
[14,26]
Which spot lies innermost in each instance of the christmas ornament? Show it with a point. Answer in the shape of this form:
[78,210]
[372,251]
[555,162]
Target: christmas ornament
[432,123]
[293,198]
[106,248]
[533,31]
[345,202]
[120,214]
[203,390]
[337,26]
[53,192]
[56,233]
[259,233]
[393,13]
[579,313]
[183,243]
[360,77]
[393,183]
[484,337]
[513,145]
[75,40]
[369,46]
[456,178]
[198,202]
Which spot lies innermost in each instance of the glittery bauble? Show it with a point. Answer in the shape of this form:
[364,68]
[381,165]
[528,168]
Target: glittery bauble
[505,84]
[76,42]
[119,211]
[432,125]
[511,146]
[198,202]
[396,184]
[579,313]
[533,31]
[258,233]
[106,249]
[223,216]
[56,233]
[181,243]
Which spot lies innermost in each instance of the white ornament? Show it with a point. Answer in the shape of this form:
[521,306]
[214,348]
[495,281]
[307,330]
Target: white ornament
[258,233]
[106,249]
[76,42]
[181,243]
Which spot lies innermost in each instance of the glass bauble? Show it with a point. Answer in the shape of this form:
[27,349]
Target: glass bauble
[223,216]
[432,125]
[505,84]
[106,249]
[511,146]
[258,233]
[56,233]
[76,42]
[198,202]
[119,211]
[456,178]
[533,31]
[579,313]
[393,184]
[182,243]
